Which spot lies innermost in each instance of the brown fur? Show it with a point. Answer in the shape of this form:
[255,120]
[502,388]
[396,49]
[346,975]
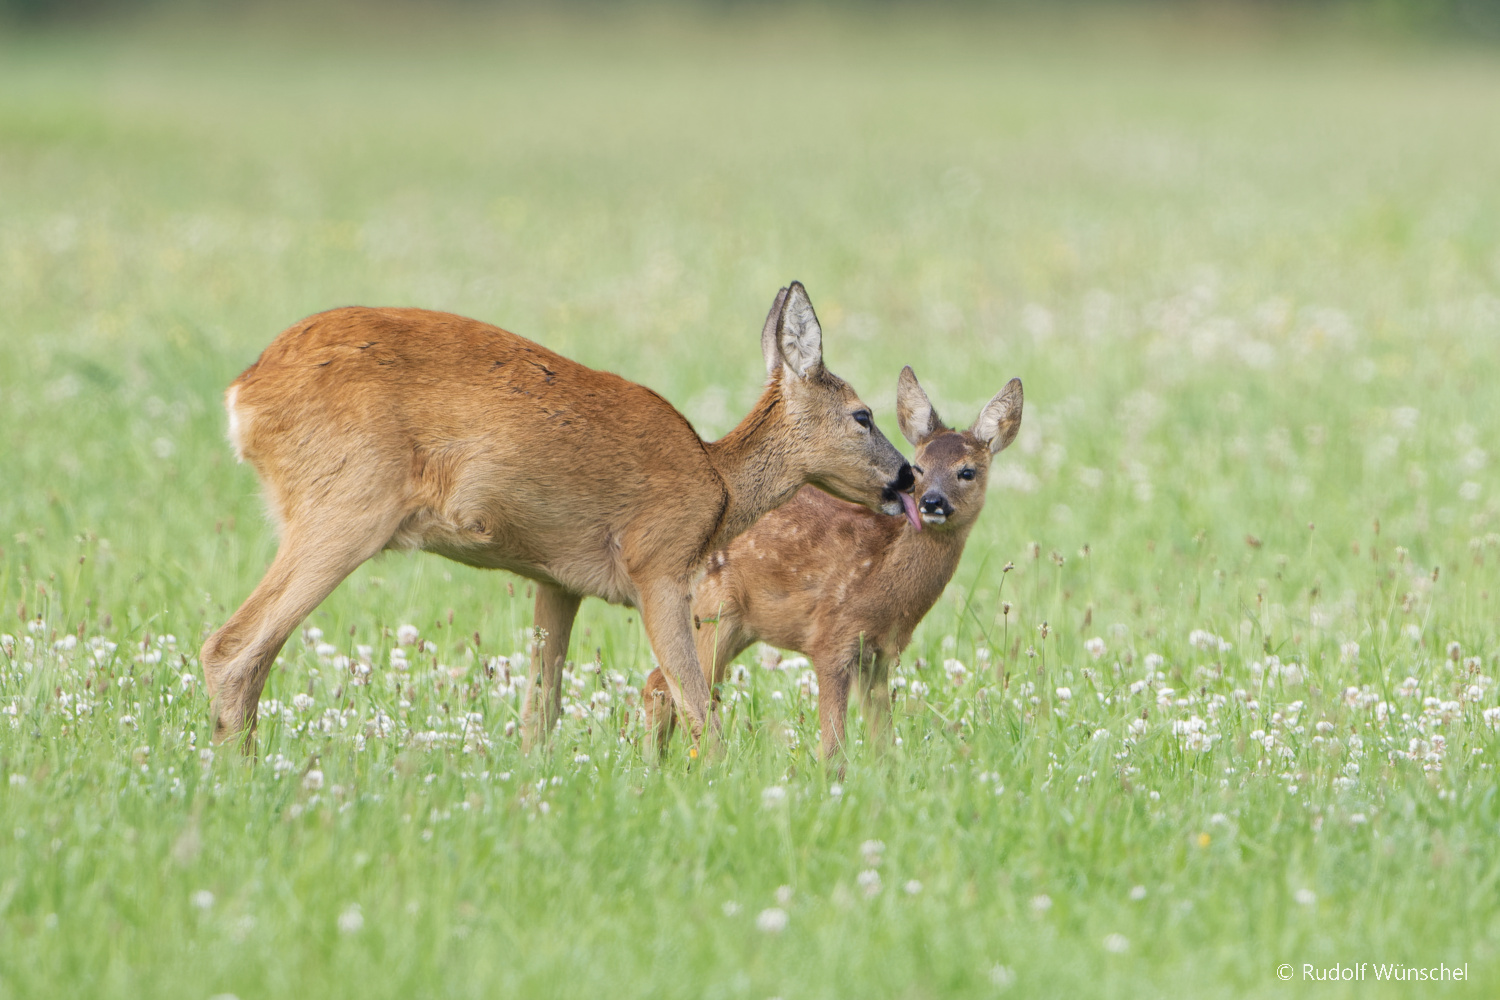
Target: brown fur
[842,584]
[402,428]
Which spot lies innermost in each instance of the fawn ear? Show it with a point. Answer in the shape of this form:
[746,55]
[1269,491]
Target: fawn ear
[792,335]
[1000,419]
[918,420]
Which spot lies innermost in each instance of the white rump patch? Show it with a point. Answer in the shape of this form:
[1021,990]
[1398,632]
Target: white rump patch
[238,424]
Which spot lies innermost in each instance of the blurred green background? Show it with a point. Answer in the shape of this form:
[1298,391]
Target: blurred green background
[1246,258]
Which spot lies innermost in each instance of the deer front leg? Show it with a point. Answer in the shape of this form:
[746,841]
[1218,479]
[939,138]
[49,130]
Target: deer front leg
[875,699]
[666,613]
[718,641]
[834,678]
[555,610]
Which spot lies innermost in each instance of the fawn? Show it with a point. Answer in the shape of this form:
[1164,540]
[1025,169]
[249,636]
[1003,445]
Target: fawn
[376,429]
[841,584]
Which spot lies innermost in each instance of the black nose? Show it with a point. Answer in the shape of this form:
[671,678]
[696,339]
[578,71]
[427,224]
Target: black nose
[904,479]
[934,502]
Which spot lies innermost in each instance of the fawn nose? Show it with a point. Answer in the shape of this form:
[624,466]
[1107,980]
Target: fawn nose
[934,502]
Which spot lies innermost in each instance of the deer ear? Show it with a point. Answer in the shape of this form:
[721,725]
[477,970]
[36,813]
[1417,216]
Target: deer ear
[1001,418]
[768,345]
[797,340]
[918,420]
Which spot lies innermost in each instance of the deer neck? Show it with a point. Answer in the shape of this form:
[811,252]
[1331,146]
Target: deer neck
[927,559]
[756,462]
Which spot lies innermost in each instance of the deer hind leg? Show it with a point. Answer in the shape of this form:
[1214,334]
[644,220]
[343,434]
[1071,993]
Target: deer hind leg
[555,610]
[311,562]
[657,703]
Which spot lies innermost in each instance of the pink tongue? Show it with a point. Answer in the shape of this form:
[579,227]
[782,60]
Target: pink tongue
[910,506]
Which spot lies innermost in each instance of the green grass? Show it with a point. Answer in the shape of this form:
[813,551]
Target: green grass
[1250,275]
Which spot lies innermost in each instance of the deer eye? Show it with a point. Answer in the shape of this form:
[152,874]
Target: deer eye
[862,417]
[966,473]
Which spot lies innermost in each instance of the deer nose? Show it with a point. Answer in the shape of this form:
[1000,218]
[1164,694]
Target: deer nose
[904,480]
[934,502]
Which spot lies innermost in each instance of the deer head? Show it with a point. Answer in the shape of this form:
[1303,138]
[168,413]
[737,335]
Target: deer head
[953,466]
[831,430]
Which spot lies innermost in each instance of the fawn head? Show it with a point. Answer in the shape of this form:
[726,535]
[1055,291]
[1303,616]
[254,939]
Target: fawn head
[953,466]
[832,433]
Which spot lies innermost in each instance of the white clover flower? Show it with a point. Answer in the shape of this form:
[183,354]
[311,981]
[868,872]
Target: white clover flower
[784,895]
[1137,727]
[18,781]
[352,920]
[772,920]
[302,701]
[1154,661]
[772,796]
[731,908]
[1208,642]
[1305,897]
[1002,977]
[1138,893]
[957,672]
[1041,902]
[872,851]
[1413,631]
[868,882]
[912,887]
[1095,647]
[313,780]
[1116,943]
[1349,651]
[407,635]
[1064,694]
[203,899]
[1492,717]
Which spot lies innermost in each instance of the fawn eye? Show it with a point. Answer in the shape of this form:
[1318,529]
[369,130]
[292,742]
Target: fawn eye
[862,417]
[965,473]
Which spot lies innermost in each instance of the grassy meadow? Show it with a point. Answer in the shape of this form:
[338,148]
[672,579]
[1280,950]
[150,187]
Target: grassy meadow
[1230,706]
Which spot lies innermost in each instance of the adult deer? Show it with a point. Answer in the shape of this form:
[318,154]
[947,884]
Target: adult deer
[842,585]
[377,429]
